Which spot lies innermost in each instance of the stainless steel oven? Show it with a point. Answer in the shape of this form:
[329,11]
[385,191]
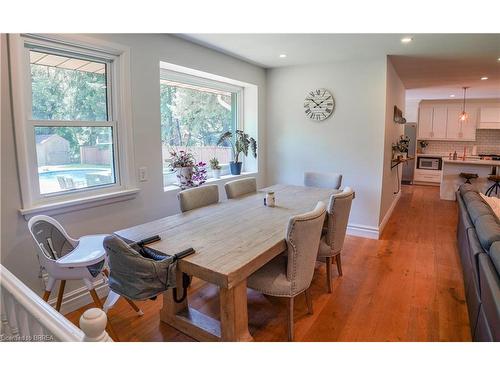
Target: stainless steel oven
[429,162]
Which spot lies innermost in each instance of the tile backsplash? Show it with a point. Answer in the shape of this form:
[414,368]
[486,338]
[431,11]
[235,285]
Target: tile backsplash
[487,142]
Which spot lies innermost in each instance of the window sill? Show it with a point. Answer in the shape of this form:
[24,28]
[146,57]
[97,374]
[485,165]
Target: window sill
[79,203]
[227,177]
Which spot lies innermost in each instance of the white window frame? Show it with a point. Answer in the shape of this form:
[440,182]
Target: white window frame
[171,75]
[119,119]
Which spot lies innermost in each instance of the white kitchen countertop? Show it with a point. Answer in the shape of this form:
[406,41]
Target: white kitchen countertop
[471,161]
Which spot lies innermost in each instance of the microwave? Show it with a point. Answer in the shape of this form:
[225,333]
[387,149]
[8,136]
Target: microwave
[428,162]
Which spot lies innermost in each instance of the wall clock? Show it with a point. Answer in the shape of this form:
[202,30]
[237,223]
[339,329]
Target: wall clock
[319,104]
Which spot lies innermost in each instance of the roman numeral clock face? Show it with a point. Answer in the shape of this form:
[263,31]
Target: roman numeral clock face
[319,104]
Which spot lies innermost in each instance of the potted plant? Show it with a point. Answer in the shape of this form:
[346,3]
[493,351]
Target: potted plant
[216,168]
[400,149]
[199,174]
[423,145]
[183,163]
[241,143]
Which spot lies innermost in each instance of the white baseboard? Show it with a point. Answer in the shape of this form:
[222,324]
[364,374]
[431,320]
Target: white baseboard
[363,231]
[80,297]
[368,231]
[388,214]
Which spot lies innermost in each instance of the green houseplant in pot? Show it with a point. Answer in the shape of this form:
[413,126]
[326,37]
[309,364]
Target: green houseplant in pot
[216,168]
[241,143]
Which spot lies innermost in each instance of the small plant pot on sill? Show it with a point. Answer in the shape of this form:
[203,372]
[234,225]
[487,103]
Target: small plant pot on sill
[235,167]
[216,173]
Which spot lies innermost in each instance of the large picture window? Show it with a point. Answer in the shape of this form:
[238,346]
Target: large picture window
[194,114]
[68,119]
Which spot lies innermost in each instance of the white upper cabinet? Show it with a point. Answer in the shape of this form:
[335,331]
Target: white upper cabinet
[440,121]
[489,118]
[461,130]
[468,127]
[425,122]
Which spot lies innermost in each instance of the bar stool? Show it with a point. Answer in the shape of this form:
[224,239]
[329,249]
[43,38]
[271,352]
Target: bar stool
[468,176]
[496,185]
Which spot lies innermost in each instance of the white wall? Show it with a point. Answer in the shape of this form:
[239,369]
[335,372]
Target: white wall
[350,142]
[18,252]
[395,95]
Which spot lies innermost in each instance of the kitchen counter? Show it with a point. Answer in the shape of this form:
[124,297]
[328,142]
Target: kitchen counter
[476,161]
[451,180]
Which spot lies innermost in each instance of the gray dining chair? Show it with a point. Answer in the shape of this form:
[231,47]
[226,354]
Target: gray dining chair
[323,180]
[291,275]
[241,187]
[332,242]
[198,197]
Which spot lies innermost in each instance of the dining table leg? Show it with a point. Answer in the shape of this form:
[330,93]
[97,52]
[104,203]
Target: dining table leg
[234,313]
[187,319]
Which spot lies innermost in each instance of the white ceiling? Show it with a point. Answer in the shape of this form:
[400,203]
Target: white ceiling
[432,66]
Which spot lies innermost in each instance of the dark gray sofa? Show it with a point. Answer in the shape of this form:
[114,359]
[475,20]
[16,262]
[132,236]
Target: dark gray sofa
[478,236]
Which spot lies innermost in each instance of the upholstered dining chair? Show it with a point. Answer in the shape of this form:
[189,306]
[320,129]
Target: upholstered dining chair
[241,187]
[292,275]
[323,180]
[198,197]
[332,242]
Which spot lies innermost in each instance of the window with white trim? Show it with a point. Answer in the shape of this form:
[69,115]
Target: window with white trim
[67,115]
[195,112]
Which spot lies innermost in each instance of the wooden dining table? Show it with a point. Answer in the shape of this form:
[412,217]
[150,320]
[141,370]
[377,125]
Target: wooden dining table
[232,239]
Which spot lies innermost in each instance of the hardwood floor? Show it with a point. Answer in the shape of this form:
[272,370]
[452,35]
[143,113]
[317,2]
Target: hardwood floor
[407,286]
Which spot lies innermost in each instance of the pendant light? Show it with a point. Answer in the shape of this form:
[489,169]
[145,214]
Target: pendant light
[464,115]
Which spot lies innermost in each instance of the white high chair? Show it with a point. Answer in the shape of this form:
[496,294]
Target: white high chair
[65,258]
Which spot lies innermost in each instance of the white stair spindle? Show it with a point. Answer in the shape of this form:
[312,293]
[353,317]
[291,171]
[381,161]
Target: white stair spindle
[24,328]
[11,314]
[5,328]
[93,324]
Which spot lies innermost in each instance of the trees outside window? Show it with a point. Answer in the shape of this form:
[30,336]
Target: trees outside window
[66,91]
[193,118]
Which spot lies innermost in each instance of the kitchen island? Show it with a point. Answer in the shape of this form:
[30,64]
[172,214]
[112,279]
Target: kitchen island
[451,180]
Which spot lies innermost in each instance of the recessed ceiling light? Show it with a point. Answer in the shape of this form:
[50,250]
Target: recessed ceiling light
[283,55]
[484,78]
[452,95]
[498,59]
[406,40]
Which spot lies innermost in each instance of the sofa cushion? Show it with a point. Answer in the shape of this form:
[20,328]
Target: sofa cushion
[472,196]
[477,208]
[488,230]
[490,295]
[495,255]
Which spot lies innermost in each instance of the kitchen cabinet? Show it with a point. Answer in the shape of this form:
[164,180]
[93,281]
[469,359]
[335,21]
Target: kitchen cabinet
[427,176]
[489,118]
[425,122]
[432,122]
[470,125]
[441,122]
[439,117]
[461,130]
